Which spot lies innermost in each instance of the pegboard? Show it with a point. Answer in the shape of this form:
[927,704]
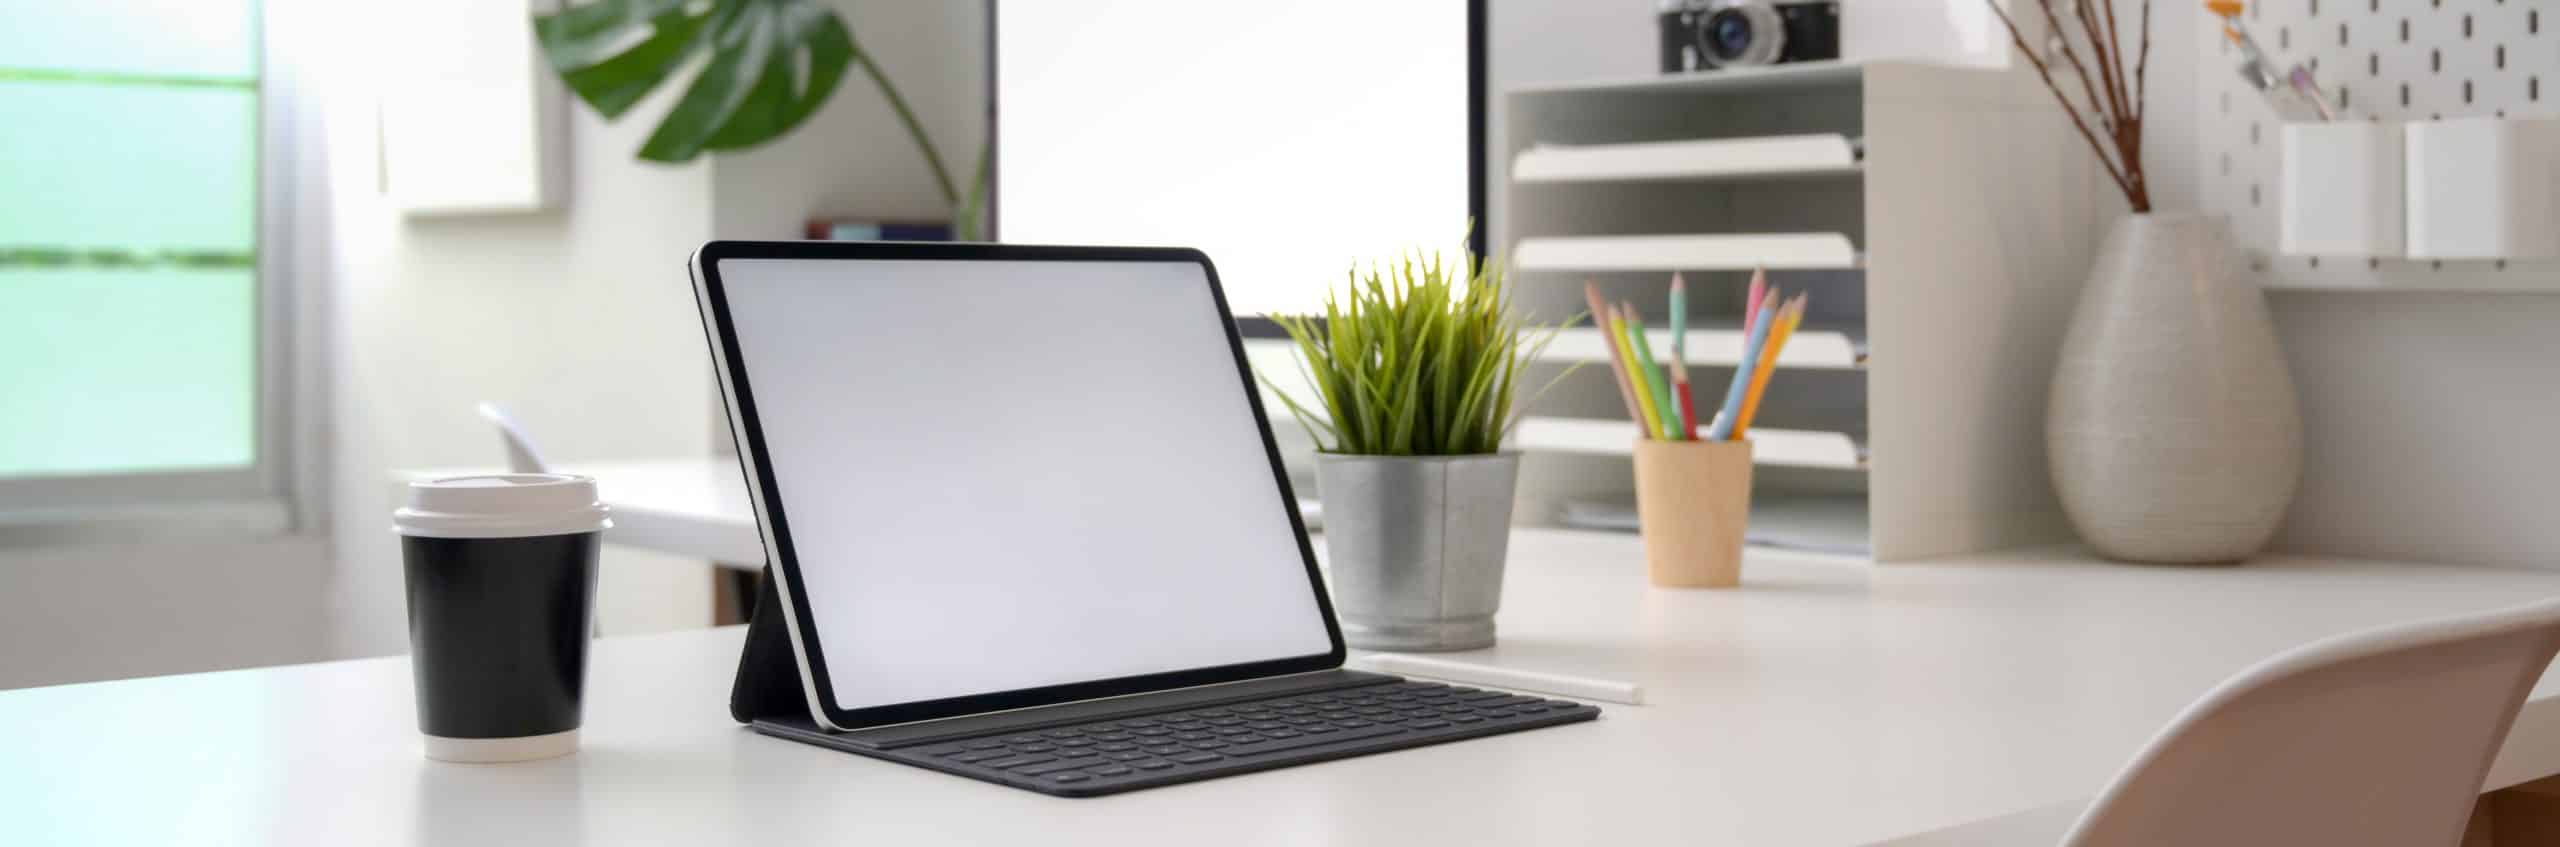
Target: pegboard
[2391,60]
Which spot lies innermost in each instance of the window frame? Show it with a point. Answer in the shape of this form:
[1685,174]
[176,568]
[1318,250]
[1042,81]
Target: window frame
[256,501]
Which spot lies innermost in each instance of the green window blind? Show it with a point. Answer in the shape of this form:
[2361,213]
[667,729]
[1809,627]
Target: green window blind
[129,237]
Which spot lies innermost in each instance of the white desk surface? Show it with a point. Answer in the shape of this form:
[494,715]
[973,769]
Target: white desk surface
[1824,703]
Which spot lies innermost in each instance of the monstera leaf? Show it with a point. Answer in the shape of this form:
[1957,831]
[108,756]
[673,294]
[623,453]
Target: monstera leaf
[772,63]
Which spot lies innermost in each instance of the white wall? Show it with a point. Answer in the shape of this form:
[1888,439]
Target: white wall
[579,321]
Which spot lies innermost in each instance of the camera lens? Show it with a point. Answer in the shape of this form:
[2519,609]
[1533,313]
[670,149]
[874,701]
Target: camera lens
[1727,34]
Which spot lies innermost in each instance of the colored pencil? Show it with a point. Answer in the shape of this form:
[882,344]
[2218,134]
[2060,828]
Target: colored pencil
[1617,349]
[1789,317]
[1679,317]
[1751,306]
[1688,404]
[1743,370]
[1645,421]
[1664,416]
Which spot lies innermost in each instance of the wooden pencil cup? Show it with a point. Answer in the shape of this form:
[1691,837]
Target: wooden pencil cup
[1693,500]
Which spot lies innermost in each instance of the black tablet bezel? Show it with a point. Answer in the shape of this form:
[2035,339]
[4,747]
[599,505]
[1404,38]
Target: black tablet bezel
[721,333]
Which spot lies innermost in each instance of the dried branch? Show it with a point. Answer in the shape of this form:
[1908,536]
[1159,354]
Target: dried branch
[2106,117]
[2115,51]
[2140,199]
[2109,60]
[2142,68]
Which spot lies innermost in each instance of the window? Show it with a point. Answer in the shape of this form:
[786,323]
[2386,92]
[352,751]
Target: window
[136,302]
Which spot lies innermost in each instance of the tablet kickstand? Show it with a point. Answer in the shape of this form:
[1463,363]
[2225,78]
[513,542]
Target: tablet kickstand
[768,681]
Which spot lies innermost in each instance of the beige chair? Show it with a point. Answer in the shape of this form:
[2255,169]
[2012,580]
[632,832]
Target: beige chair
[2374,738]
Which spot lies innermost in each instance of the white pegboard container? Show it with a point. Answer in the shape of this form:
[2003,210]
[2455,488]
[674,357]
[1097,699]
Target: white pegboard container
[2389,60]
[2341,190]
[2482,188]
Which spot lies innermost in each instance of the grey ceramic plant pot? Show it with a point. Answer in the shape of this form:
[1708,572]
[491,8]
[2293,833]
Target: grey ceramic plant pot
[1416,545]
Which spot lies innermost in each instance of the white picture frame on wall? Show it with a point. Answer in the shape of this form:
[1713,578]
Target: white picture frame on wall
[472,121]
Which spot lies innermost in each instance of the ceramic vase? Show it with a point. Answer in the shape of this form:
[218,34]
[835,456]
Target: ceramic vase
[2172,432]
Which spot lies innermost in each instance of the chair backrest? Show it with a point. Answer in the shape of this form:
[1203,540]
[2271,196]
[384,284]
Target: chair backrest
[521,457]
[2374,738]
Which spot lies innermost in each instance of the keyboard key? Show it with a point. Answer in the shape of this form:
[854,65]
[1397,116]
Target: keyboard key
[1207,745]
[1197,758]
[980,755]
[1318,728]
[1426,724]
[1111,736]
[1167,749]
[1151,764]
[1109,770]
[1015,762]
[1235,730]
[1023,739]
[1069,776]
[1060,765]
[1075,742]
[1151,731]
[1193,736]
[1188,725]
[1282,733]
[1354,723]
[1139,723]
[1505,701]
[1482,695]
[982,744]
[1461,718]
[1131,756]
[1115,747]
[1373,710]
[1224,721]
[1279,744]
[1064,733]
[1212,713]
[1334,715]
[1032,748]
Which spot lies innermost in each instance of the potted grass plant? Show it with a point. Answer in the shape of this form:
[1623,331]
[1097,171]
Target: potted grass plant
[1413,369]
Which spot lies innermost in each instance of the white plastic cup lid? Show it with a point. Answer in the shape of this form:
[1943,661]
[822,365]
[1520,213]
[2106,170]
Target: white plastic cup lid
[509,505]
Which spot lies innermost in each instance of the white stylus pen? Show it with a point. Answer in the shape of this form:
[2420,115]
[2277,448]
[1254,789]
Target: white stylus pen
[1604,690]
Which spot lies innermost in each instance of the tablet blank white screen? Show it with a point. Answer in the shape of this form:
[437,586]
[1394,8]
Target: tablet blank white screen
[1005,475]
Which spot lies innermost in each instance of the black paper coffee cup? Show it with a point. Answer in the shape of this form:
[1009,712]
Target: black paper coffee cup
[501,572]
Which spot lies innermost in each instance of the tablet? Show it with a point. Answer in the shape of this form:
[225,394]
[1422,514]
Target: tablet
[993,477]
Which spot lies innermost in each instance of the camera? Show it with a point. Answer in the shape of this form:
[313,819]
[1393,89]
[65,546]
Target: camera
[1700,35]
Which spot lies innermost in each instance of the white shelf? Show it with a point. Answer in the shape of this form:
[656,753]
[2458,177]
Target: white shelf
[1730,158]
[1808,348]
[1748,80]
[1775,251]
[1787,447]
